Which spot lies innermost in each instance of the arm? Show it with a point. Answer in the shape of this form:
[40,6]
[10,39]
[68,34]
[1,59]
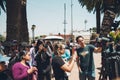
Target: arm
[69,67]
[20,72]
[17,72]
[78,64]
[97,49]
[48,66]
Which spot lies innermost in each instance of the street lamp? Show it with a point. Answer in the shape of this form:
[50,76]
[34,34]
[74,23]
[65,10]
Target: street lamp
[33,28]
[85,23]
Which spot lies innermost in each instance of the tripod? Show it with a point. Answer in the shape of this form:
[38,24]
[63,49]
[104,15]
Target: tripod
[106,69]
[104,73]
[110,67]
[110,61]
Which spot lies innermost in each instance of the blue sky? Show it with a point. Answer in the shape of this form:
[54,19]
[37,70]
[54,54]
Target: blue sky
[48,16]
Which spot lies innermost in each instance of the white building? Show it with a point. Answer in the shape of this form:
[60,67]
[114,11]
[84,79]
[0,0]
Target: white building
[85,33]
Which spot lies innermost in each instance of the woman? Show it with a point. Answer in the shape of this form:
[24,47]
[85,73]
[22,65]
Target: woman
[21,69]
[43,63]
[4,72]
[59,66]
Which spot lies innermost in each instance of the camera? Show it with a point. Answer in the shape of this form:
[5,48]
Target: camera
[104,39]
[115,25]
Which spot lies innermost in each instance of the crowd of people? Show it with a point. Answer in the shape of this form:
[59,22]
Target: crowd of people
[43,60]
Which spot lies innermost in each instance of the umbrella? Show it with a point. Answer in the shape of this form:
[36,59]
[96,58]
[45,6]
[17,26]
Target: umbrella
[53,38]
[4,58]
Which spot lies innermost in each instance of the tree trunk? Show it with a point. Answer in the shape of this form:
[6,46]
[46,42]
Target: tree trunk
[108,18]
[98,17]
[24,35]
[16,21]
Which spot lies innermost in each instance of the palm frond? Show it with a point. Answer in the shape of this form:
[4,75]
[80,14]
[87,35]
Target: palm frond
[2,5]
[117,8]
[89,4]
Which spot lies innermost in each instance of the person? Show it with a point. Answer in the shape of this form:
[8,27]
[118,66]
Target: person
[115,35]
[85,60]
[43,62]
[2,49]
[58,65]
[21,69]
[93,38]
[4,72]
[117,46]
[33,54]
[69,46]
[66,56]
[118,34]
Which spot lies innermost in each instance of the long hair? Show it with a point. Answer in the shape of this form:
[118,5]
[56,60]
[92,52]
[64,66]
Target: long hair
[56,50]
[37,45]
[17,58]
[21,54]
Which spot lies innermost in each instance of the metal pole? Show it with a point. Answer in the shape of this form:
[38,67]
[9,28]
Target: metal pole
[65,21]
[71,20]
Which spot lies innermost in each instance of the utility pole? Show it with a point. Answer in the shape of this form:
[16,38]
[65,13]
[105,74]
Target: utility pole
[65,21]
[71,20]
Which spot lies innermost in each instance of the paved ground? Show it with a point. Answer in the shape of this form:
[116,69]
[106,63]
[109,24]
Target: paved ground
[74,73]
[97,59]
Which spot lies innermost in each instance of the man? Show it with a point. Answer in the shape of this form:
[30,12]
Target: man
[33,53]
[85,59]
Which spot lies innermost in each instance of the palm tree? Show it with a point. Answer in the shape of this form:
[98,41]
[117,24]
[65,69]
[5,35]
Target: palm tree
[16,21]
[94,5]
[2,5]
[110,8]
[98,18]
[17,28]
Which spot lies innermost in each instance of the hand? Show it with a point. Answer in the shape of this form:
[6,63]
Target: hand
[44,71]
[31,70]
[73,49]
[74,56]
[34,68]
